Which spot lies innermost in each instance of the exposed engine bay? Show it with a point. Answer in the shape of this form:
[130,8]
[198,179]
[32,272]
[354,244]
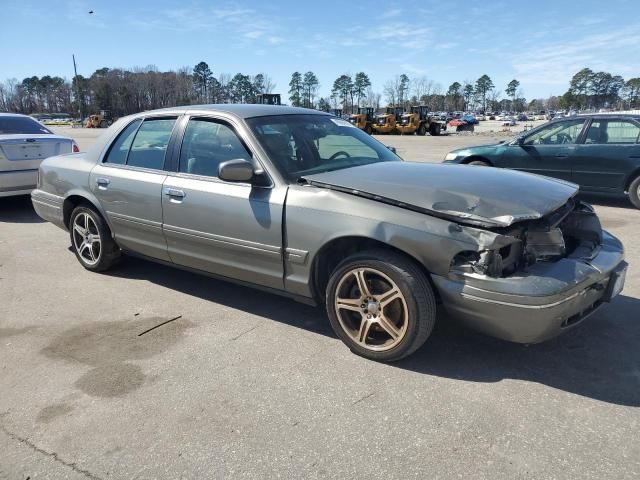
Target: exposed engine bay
[572,231]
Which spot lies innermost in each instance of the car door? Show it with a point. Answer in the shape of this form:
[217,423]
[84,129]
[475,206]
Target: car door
[227,228]
[128,184]
[547,150]
[609,153]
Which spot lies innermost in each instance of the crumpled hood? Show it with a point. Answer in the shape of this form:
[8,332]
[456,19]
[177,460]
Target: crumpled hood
[484,196]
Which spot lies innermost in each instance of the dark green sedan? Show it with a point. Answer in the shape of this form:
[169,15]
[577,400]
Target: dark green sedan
[601,153]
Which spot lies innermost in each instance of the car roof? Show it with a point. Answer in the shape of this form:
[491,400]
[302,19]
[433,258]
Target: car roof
[599,115]
[9,114]
[241,110]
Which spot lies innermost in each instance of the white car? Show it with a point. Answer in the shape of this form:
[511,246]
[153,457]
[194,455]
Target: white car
[24,144]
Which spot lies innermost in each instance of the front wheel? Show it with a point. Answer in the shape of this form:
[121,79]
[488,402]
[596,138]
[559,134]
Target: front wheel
[91,240]
[478,163]
[381,305]
[634,192]
[434,129]
[422,131]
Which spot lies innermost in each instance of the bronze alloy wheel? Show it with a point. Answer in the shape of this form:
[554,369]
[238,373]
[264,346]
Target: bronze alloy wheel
[371,309]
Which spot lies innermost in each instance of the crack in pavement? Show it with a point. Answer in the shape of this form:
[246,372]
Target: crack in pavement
[244,333]
[53,455]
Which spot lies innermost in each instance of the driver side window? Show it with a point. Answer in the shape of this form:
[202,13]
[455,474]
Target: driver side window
[206,145]
[557,133]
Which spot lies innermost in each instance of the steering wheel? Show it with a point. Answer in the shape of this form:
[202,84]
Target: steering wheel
[564,138]
[337,154]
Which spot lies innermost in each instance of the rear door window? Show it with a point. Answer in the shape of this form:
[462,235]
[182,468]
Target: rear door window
[149,146]
[120,148]
[622,132]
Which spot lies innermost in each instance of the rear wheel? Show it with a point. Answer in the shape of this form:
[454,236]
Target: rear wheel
[91,240]
[381,305]
[422,130]
[434,129]
[634,192]
[368,129]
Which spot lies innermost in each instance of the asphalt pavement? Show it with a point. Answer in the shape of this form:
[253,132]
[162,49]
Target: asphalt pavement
[237,383]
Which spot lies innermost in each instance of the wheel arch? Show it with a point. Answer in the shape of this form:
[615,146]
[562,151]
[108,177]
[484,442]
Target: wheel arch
[478,158]
[337,249]
[75,198]
[630,178]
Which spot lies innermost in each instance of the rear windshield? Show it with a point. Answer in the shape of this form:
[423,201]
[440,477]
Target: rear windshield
[21,125]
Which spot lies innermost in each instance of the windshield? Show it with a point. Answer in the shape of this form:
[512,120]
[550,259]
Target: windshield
[302,145]
[21,125]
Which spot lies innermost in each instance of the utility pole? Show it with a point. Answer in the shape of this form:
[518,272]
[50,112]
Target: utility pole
[78,95]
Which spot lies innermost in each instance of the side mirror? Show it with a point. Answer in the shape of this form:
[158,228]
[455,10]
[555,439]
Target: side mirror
[393,149]
[237,170]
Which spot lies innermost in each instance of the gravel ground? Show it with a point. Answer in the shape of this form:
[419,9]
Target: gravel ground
[242,384]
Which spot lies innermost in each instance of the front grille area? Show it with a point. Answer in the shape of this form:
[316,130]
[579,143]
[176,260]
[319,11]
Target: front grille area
[578,317]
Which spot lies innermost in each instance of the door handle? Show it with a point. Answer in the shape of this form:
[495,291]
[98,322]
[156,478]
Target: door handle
[102,183]
[174,193]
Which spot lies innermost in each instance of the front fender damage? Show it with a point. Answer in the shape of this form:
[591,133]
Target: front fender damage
[572,231]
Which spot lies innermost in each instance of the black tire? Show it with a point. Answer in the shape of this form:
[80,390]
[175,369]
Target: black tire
[634,192]
[422,131]
[434,129]
[103,124]
[479,163]
[415,294]
[368,129]
[95,258]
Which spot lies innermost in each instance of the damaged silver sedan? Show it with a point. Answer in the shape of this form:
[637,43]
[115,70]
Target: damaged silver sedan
[306,205]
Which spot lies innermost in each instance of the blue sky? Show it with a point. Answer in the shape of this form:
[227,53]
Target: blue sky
[541,42]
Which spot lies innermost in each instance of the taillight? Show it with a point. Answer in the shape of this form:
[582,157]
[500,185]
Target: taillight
[76,149]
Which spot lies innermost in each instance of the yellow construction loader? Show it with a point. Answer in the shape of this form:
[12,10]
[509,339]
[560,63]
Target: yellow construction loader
[100,120]
[363,119]
[418,121]
[386,122]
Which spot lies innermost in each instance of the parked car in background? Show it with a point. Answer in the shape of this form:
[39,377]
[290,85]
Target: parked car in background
[24,143]
[305,204]
[599,152]
[522,117]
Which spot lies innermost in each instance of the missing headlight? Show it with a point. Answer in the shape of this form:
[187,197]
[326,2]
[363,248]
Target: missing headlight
[494,263]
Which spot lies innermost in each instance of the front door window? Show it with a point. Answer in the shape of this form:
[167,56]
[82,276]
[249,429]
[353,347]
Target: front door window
[557,133]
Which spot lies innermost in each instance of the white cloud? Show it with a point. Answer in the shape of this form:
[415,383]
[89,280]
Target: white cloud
[556,63]
[394,12]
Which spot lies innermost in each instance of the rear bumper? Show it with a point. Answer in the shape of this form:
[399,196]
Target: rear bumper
[17,182]
[542,303]
[48,207]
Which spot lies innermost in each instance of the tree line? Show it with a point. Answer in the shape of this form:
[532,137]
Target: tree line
[130,91]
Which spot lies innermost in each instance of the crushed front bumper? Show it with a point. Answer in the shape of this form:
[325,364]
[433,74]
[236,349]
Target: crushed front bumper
[540,303]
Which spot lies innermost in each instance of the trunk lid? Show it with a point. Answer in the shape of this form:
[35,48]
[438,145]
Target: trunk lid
[484,196]
[26,151]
